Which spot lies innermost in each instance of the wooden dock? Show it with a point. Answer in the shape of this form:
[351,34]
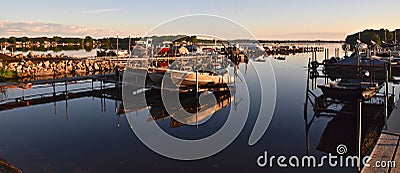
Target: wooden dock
[385,157]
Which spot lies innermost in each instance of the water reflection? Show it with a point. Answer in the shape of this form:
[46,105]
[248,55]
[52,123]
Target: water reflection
[343,129]
[190,104]
[38,137]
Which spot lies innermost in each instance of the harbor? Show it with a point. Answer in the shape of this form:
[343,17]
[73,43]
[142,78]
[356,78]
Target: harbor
[160,86]
[107,85]
[202,102]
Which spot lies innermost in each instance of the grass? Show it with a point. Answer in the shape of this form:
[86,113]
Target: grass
[7,74]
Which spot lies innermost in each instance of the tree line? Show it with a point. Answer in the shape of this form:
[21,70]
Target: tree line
[368,36]
[42,40]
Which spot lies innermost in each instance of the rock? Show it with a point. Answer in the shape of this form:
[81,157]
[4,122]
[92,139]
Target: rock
[29,62]
[30,54]
[96,67]
[47,64]
[19,56]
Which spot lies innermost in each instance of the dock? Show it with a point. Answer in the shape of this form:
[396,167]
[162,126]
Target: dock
[386,152]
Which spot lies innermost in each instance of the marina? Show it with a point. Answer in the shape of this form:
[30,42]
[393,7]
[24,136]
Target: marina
[354,95]
[200,86]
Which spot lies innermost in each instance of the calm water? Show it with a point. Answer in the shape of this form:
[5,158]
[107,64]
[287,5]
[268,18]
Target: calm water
[85,134]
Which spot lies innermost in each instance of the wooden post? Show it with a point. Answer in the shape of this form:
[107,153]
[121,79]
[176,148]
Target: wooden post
[359,133]
[197,83]
[312,56]
[394,92]
[315,55]
[54,89]
[66,99]
[390,67]
[386,96]
[395,40]
[66,87]
[117,45]
[327,53]
[129,45]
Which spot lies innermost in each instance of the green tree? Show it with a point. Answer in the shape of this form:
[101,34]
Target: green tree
[55,39]
[88,40]
[376,38]
[24,39]
[12,40]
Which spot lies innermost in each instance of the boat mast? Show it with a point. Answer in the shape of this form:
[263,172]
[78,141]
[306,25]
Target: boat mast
[395,40]
[385,37]
[129,45]
[117,44]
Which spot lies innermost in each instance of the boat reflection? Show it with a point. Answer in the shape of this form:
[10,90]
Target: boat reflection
[342,129]
[214,100]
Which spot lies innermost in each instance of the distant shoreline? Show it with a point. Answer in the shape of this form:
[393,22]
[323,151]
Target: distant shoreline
[301,41]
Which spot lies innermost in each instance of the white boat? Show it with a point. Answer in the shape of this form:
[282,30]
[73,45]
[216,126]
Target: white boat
[260,58]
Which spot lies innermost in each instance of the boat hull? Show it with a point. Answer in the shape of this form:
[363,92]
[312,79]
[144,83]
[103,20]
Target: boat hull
[348,93]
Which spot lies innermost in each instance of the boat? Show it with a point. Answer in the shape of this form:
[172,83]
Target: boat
[103,53]
[260,58]
[188,73]
[349,67]
[280,58]
[350,90]
[209,74]
[156,75]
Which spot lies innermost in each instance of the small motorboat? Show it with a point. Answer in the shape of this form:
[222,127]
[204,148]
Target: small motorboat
[260,58]
[280,58]
[350,90]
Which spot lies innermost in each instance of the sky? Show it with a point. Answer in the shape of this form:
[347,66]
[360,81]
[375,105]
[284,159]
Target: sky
[265,19]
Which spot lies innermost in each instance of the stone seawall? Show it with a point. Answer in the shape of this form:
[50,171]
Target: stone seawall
[36,67]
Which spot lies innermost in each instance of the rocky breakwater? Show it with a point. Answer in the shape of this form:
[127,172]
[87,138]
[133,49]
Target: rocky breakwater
[38,66]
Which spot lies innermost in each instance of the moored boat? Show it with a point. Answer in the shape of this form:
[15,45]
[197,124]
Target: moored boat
[350,90]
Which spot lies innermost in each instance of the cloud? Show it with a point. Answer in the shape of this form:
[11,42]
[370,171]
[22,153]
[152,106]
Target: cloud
[33,28]
[103,10]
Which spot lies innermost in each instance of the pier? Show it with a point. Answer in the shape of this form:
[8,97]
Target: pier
[386,151]
[108,87]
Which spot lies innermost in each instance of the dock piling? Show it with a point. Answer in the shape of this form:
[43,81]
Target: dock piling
[359,134]
[386,96]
